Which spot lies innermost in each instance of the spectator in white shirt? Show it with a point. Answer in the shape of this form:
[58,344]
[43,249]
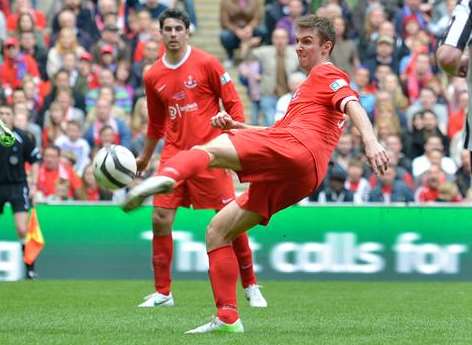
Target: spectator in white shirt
[434,153]
[72,142]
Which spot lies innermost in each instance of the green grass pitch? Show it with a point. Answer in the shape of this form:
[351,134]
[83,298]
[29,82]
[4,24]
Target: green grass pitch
[105,312]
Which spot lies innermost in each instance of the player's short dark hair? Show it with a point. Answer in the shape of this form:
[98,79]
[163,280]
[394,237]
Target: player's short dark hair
[174,14]
[323,26]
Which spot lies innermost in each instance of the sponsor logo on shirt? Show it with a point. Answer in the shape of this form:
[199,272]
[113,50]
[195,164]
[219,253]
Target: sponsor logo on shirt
[178,110]
[161,88]
[225,78]
[337,84]
[190,83]
[179,95]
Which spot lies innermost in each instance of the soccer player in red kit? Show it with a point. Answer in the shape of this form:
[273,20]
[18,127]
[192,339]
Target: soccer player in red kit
[183,91]
[283,163]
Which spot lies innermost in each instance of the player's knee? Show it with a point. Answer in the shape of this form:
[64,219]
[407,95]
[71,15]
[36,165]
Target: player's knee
[208,148]
[161,222]
[449,58]
[204,148]
[215,235]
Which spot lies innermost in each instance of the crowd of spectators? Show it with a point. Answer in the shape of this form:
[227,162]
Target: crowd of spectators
[73,77]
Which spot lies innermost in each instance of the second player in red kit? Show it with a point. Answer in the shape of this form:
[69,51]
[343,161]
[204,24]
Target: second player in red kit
[183,90]
[181,99]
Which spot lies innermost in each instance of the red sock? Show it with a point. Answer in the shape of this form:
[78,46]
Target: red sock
[244,256]
[162,248]
[186,164]
[224,277]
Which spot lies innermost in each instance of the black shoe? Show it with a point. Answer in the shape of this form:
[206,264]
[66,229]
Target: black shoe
[31,274]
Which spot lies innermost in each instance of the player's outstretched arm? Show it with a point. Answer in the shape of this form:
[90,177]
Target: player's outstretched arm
[223,120]
[375,152]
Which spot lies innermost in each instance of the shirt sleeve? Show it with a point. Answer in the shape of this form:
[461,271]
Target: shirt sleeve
[156,109]
[30,151]
[341,91]
[222,85]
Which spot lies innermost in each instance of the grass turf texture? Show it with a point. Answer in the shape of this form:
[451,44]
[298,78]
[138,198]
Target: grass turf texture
[105,312]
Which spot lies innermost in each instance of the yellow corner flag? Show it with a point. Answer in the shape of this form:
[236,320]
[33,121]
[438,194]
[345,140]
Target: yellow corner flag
[34,239]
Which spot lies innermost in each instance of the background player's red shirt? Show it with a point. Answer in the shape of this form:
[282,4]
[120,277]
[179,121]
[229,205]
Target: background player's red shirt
[182,98]
[315,115]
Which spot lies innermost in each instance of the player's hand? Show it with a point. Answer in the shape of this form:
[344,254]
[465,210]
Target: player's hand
[141,164]
[222,120]
[377,156]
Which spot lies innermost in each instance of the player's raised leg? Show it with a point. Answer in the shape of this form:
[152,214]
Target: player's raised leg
[225,226]
[219,152]
[162,250]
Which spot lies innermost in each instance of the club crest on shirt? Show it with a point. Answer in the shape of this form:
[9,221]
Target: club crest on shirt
[190,83]
[337,84]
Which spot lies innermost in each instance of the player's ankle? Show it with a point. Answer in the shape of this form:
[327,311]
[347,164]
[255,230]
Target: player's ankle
[228,315]
[165,292]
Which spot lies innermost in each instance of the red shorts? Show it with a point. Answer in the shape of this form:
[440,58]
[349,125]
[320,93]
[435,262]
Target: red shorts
[281,170]
[211,189]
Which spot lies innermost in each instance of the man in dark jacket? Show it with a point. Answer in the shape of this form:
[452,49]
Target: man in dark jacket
[390,189]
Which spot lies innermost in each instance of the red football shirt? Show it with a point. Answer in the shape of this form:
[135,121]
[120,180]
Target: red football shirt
[182,98]
[315,115]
